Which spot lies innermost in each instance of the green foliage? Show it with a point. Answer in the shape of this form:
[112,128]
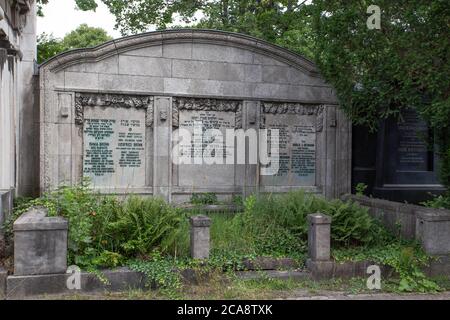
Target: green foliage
[379,73]
[153,237]
[81,4]
[160,272]
[406,259]
[82,37]
[360,189]
[48,46]
[40,5]
[204,198]
[85,36]
[105,232]
[351,225]
[439,202]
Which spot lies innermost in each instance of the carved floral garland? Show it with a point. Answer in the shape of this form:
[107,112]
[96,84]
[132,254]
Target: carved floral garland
[196,104]
[113,101]
[292,108]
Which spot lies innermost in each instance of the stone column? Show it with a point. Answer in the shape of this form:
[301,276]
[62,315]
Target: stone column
[162,147]
[27,127]
[330,166]
[200,237]
[247,175]
[319,234]
[319,231]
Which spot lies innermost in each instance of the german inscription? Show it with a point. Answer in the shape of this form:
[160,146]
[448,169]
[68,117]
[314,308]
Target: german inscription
[297,150]
[204,174]
[114,147]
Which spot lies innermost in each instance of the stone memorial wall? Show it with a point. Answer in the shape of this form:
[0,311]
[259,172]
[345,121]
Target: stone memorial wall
[113,114]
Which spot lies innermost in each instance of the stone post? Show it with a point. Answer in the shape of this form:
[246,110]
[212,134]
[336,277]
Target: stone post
[200,237]
[40,244]
[162,163]
[433,230]
[319,234]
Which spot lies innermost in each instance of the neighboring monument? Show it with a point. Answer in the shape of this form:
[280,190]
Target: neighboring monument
[19,125]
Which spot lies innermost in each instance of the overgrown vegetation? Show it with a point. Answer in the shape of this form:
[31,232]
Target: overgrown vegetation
[153,237]
[204,198]
[439,202]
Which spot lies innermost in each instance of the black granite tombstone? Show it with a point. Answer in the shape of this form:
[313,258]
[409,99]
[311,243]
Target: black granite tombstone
[404,167]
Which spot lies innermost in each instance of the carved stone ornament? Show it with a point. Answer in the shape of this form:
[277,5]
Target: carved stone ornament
[197,104]
[112,101]
[294,109]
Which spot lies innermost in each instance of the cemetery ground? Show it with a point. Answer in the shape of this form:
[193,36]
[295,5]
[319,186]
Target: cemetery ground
[152,237]
[229,287]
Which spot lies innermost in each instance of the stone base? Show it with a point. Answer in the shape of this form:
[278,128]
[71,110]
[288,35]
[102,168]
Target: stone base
[121,279]
[3,276]
[439,267]
[330,269]
[273,274]
[320,269]
[267,263]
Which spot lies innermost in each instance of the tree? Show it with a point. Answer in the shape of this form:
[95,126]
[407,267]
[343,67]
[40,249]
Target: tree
[48,46]
[379,73]
[84,5]
[376,73]
[82,37]
[85,36]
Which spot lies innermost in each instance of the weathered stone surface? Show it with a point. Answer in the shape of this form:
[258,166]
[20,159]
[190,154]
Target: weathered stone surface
[320,269]
[200,237]
[319,235]
[430,226]
[438,267]
[121,279]
[3,276]
[272,274]
[433,230]
[267,263]
[210,70]
[40,244]
[6,204]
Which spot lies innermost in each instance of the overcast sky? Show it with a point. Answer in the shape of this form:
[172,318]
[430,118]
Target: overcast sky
[61,17]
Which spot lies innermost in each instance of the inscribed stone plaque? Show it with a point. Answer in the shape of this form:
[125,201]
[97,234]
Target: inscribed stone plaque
[201,175]
[413,154]
[297,150]
[114,147]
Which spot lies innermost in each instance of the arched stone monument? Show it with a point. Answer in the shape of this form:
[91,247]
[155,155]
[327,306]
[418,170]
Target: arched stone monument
[109,113]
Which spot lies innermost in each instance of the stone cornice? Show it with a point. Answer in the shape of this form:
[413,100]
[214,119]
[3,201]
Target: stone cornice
[143,40]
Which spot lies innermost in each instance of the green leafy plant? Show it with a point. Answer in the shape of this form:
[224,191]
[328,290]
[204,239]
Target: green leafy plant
[204,198]
[160,272]
[405,258]
[361,189]
[104,231]
[439,202]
